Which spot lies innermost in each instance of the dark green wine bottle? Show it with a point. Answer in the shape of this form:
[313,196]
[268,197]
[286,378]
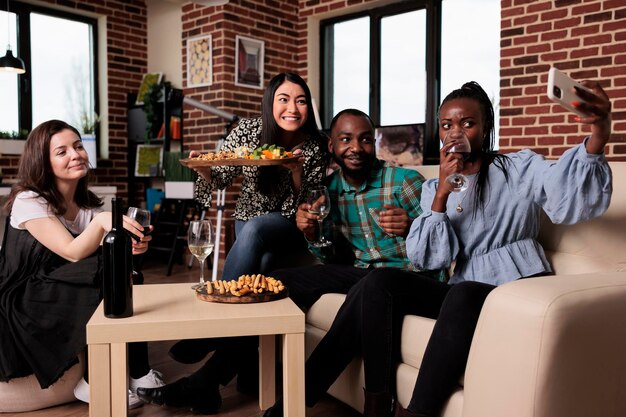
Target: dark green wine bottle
[118,267]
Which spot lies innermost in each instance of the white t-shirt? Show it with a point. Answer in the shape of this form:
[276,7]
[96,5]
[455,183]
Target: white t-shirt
[29,205]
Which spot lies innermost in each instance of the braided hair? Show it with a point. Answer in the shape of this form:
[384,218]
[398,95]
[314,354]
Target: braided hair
[472,90]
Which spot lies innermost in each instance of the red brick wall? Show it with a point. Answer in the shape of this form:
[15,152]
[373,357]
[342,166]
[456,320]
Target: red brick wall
[127,62]
[270,21]
[584,38]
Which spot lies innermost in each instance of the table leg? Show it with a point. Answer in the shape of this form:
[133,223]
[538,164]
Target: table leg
[100,380]
[119,380]
[267,371]
[293,374]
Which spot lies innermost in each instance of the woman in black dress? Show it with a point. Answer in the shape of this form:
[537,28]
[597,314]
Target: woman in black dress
[50,266]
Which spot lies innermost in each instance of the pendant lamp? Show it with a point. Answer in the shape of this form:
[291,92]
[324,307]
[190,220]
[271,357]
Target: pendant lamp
[10,63]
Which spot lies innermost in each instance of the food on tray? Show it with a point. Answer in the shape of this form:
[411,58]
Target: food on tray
[246,284]
[269,152]
[242,152]
[216,156]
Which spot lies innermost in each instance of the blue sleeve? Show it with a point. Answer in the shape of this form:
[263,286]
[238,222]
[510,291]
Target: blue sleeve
[431,243]
[575,188]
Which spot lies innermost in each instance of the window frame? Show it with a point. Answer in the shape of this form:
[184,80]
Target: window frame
[433,65]
[23,50]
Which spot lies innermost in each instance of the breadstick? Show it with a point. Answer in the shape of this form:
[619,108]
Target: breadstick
[257,279]
[234,291]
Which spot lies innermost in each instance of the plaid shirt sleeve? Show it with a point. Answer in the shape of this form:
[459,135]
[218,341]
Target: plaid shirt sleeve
[410,192]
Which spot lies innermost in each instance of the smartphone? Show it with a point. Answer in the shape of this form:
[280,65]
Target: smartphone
[560,90]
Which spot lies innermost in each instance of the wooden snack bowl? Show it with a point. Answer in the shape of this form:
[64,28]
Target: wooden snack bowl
[265,296]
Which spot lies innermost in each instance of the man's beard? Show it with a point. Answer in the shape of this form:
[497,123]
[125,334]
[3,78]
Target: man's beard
[360,173]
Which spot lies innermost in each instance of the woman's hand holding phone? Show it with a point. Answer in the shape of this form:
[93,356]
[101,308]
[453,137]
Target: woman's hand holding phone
[589,101]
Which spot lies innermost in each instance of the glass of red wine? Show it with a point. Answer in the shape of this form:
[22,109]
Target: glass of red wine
[142,216]
[458,181]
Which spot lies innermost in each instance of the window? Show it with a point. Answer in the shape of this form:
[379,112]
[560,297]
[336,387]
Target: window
[473,48]
[397,62]
[59,50]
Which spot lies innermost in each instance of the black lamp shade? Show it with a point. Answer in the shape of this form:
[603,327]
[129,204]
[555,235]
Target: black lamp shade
[9,63]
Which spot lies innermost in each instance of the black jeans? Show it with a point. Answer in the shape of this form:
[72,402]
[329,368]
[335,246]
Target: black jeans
[392,294]
[370,322]
[363,326]
[307,284]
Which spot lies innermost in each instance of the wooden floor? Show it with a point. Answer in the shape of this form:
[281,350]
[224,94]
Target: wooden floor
[233,402]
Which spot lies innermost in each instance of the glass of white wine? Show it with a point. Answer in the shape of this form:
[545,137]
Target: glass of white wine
[319,201]
[200,243]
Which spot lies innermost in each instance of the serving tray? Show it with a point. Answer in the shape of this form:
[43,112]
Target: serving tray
[198,163]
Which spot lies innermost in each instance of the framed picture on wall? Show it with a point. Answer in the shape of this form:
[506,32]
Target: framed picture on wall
[249,57]
[199,61]
[149,160]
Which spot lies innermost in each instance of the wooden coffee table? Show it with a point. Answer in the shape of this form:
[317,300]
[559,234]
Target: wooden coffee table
[172,312]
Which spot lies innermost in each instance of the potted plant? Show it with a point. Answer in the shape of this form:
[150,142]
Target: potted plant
[153,95]
[12,142]
[88,124]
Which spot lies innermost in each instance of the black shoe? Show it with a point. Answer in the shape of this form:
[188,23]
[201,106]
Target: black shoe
[275,411]
[183,393]
[191,351]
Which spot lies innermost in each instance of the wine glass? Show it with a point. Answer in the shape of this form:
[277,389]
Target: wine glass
[200,243]
[319,201]
[142,216]
[458,181]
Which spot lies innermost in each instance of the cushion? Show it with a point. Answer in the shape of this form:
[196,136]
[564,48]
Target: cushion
[25,394]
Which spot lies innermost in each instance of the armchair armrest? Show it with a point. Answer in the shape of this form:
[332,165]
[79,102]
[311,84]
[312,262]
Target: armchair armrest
[550,346]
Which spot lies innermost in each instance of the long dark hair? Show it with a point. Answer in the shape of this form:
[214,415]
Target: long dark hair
[270,130]
[474,91]
[35,171]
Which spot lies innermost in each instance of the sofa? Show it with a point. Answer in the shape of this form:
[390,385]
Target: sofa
[544,347]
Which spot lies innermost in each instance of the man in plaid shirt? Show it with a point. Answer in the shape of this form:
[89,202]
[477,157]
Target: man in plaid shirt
[372,207]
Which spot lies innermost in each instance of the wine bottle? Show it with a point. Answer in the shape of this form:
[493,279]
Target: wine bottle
[118,267]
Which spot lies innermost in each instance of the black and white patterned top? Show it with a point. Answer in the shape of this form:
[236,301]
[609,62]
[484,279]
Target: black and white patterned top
[251,201]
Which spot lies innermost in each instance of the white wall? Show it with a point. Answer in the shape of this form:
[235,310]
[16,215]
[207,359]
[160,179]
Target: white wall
[165,40]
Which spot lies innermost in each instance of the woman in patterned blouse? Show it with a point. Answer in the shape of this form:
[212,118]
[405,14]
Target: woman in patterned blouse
[269,196]
[265,229]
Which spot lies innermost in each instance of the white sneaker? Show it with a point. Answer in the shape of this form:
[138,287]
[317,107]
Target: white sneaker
[81,392]
[153,379]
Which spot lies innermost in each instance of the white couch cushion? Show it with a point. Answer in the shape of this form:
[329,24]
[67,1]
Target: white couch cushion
[416,331]
[323,312]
